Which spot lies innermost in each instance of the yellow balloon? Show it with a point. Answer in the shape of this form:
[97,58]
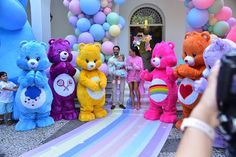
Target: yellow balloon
[114,30]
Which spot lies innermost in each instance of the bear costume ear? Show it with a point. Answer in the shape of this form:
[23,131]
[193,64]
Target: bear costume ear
[51,41]
[81,46]
[206,36]
[22,43]
[44,45]
[98,45]
[67,42]
[187,35]
[171,45]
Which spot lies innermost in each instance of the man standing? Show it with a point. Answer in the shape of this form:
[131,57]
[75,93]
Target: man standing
[121,84]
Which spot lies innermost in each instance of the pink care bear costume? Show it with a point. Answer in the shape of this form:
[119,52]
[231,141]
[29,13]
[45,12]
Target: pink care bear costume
[163,88]
[61,80]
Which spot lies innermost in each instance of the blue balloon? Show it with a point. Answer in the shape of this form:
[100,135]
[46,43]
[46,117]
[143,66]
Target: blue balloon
[106,26]
[12,15]
[90,7]
[119,1]
[83,24]
[197,18]
[97,32]
[122,22]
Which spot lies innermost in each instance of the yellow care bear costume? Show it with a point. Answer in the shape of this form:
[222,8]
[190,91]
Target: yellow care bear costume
[91,83]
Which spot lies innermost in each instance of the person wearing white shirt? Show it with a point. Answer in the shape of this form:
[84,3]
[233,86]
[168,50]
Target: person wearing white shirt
[7,89]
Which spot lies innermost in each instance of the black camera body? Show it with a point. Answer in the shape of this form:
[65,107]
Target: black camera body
[226,98]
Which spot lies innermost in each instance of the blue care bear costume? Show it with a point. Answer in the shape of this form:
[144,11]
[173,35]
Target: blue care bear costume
[34,96]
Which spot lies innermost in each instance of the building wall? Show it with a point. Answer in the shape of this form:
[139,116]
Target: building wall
[174,18]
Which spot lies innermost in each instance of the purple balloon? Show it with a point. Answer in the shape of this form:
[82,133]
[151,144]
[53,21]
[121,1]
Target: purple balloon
[73,20]
[104,68]
[85,38]
[107,47]
[99,18]
[232,21]
[74,55]
[71,39]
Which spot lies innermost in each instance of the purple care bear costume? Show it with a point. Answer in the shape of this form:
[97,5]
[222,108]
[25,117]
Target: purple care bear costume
[61,80]
[163,88]
[211,55]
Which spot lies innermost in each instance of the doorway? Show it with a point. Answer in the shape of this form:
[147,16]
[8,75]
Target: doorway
[146,21]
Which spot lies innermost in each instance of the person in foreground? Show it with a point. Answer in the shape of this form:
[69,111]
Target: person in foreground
[196,142]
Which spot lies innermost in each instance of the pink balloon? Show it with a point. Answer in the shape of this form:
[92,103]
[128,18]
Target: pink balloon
[74,7]
[104,68]
[232,34]
[109,5]
[203,4]
[224,14]
[66,3]
[74,55]
[107,10]
[107,47]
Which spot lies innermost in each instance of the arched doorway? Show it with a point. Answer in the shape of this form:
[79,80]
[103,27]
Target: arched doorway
[143,22]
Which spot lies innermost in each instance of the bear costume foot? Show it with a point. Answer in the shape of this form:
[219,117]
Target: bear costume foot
[100,113]
[43,122]
[168,118]
[152,115]
[70,115]
[24,125]
[86,116]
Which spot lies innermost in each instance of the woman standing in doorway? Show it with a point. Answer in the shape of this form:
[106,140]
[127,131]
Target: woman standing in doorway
[134,65]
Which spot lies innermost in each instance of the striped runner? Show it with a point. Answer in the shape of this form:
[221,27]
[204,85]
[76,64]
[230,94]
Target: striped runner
[122,133]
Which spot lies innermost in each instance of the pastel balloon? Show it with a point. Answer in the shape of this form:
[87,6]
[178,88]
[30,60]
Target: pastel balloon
[74,7]
[75,47]
[114,30]
[104,3]
[197,18]
[74,54]
[85,38]
[113,18]
[216,7]
[224,14]
[69,14]
[72,39]
[104,68]
[97,32]
[107,10]
[90,7]
[102,57]
[107,47]
[77,74]
[73,20]
[106,26]
[212,21]
[77,32]
[99,18]
[83,24]
[232,21]
[119,2]
[122,22]
[202,4]
[66,3]
[221,28]
[232,34]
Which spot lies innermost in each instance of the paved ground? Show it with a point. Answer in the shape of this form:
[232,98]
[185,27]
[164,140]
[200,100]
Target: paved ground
[15,143]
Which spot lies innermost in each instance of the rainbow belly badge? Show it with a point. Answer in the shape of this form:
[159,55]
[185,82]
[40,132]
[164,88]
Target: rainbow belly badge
[158,90]
[186,93]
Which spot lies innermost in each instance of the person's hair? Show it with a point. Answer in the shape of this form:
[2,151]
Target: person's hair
[116,47]
[123,56]
[136,50]
[2,73]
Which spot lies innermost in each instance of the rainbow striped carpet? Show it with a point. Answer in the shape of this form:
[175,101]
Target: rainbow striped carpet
[123,133]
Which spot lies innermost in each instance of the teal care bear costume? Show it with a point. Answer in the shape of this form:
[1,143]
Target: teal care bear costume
[34,96]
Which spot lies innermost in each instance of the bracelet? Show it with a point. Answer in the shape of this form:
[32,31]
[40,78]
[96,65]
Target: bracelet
[198,124]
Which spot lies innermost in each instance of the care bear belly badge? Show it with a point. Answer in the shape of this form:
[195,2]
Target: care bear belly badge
[64,85]
[186,94]
[158,90]
[33,97]
[97,94]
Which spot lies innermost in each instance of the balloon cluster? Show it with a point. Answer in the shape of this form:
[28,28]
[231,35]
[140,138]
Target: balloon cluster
[209,15]
[94,21]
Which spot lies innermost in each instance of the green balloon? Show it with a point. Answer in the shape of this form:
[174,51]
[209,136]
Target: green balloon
[221,28]
[113,18]
[216,7]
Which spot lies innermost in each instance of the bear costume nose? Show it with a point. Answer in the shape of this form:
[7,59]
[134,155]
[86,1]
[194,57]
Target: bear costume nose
[91,66]
[186,60]
[32,63]
[65,53]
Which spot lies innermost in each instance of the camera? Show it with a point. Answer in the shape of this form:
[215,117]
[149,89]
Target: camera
[226,99]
